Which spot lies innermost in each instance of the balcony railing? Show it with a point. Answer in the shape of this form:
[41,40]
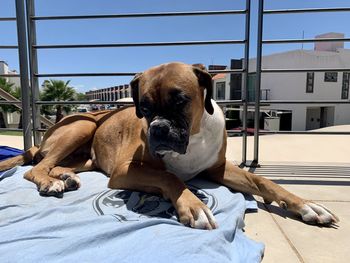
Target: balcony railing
[26,26]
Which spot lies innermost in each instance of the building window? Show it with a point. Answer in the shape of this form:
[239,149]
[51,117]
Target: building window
[220,90]
[345,86]
[310,76]
[331,76]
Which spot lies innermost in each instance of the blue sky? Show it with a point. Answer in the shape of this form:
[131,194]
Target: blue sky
[158,29]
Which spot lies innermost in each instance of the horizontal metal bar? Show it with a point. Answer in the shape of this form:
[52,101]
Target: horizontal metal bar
[10,102]
[220,102]
[150,44]
[261,132]
[306,10]
[8,47]
[235,132]
[305,101]
[306,132]
[227,71]
[42,102]
[239,103]
[10,129]
[85,74]
[9,75]
[136,15]
[305,70]
[229,102]
[106,74]
[7,18]
[289,41]
[41,130]
[232,103]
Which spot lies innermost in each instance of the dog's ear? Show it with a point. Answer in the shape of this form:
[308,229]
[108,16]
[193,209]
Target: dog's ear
[204,80]
[134,84]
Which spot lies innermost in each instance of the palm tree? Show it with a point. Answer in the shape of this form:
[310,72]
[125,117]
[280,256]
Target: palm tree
[57,90]
[14,91]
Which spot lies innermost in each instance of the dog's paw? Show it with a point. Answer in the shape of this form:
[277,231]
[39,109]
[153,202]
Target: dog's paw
[71,181]
[197,217]
[192,212]
[52,188]
[317,214]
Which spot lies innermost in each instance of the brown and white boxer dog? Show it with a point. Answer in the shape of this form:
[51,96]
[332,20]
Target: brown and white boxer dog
[177,133]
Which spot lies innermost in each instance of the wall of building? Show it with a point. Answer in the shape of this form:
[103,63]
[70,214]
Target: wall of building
[292,86]
[224,78]
[4,69]
[110,94]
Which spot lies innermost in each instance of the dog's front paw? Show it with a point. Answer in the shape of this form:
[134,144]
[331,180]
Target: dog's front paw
[71,181]
[52,187]
[317,214]
[192,212]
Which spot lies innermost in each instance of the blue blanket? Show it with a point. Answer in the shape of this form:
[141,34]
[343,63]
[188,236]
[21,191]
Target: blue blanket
[97,224]
[7,152]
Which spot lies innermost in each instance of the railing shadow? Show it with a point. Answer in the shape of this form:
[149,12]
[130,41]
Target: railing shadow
[302,174]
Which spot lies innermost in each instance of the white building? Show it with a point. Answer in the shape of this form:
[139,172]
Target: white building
[301,86]
[4,69]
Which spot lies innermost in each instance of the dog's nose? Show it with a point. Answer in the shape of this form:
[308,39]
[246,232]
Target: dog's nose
[159,129]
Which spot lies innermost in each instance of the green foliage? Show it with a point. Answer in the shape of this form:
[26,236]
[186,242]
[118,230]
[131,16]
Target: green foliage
[11,89]
[81,97]
[57,90]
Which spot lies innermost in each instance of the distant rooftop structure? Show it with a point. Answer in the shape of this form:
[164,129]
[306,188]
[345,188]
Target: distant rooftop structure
[217,67]
[219,76]
[329,46]
[4,62]
[5,70]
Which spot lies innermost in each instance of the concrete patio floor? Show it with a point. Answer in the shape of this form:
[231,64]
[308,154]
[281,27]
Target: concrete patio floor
[315,167]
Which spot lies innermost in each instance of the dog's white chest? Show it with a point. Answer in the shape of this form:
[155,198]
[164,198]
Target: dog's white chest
[203,149]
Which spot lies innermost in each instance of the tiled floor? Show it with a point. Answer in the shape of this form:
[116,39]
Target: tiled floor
[315,167]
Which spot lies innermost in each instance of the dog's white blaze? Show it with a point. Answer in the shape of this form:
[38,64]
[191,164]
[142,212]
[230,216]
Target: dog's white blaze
[203,148]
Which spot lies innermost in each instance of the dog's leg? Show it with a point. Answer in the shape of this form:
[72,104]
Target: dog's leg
[67,173]
[25,158]
[191,211]
[241,180]
[61,143]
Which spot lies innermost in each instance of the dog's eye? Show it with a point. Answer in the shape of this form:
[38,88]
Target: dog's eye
[145,111]
[181,102]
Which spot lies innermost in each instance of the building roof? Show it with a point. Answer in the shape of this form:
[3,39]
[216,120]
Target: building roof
[305,59]
[219,76]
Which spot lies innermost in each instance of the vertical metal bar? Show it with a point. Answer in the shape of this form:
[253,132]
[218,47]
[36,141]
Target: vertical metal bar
[245,82]
[23,65]
[34,82]
[258,82]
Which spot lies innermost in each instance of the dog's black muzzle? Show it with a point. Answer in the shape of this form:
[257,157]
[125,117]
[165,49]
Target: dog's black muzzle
[165,135]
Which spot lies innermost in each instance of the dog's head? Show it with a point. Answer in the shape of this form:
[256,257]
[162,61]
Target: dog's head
[172,98]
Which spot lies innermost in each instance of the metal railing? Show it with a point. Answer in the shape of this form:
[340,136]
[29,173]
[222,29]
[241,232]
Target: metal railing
[33,47]
[29,28]
[23,65]
[260,42]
